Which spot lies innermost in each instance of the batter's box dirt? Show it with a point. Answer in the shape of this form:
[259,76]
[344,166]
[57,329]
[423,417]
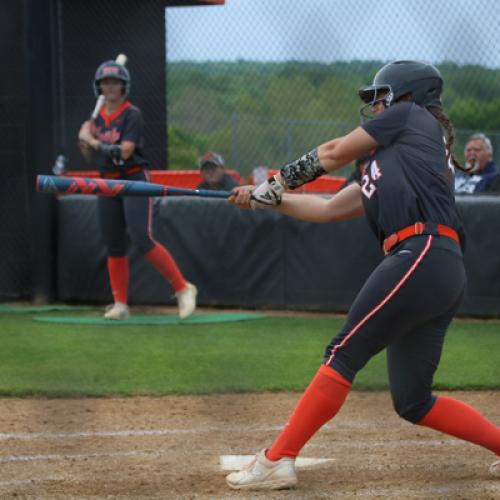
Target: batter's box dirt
[171,447]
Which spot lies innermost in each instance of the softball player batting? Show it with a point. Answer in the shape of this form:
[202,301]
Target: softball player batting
[407,303]
[114,142]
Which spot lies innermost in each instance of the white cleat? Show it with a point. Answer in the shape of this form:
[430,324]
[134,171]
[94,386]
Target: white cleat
[186,300]
[495,468]
[264,474]
[117,312]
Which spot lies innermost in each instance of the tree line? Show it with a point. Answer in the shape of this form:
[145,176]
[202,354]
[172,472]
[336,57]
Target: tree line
[256,113]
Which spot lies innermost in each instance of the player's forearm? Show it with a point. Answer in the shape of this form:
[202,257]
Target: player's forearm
[86,150]
[128,148]
[347,204]
[312,208]
[336,153]
[331,156]
[327,157]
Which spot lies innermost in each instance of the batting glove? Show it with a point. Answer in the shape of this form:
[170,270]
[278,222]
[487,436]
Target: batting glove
[112,151]
[268,194]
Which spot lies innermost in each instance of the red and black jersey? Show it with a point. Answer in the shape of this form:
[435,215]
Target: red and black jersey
[409,178]
[125,124]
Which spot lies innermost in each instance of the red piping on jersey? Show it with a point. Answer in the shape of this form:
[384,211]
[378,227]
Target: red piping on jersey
[113,116]
[384,301]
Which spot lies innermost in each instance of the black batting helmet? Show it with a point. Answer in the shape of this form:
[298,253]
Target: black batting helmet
[111,69]
[422,80]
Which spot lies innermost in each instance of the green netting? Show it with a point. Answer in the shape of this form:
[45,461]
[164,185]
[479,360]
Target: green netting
[145,319]
[29,309]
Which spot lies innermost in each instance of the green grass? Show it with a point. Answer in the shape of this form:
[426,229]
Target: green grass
[270,354]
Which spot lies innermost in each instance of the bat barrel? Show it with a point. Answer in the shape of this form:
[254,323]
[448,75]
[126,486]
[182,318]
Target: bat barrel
[107,187]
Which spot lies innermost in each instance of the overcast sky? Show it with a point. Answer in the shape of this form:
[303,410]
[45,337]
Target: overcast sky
[464,31]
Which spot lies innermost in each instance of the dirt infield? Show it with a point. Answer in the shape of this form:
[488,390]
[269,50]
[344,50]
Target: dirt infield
[169,447]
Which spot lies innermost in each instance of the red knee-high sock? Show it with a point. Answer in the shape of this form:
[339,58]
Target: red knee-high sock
[462,421]
[320,402]
[165,264]
[118,278]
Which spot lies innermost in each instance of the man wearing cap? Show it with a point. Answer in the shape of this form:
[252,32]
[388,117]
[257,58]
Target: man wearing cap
[214,174]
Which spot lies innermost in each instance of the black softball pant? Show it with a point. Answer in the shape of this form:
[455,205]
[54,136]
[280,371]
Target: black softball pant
[406,306]
[121,218]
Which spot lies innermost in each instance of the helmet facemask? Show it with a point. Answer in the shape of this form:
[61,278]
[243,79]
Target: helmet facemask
[371,97]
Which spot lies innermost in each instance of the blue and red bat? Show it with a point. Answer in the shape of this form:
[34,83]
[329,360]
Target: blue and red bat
[108,187]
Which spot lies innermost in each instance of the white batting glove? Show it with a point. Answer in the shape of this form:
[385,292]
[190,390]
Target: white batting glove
[268,194]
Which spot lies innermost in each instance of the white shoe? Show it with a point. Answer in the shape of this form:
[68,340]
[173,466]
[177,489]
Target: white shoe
[264,474]
[117,311]
[186,300]
[495,468]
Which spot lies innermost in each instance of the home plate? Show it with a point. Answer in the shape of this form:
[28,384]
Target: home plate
[237,462]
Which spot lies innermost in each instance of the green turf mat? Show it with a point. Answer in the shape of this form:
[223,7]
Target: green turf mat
[149,319]
[28,309]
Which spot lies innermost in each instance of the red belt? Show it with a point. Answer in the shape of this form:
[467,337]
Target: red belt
[417,228]
[118,173]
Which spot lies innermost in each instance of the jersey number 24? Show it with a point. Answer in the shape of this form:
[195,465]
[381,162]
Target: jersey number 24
[372,173]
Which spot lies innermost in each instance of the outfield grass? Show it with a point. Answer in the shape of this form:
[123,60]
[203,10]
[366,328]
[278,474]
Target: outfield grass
[271,354]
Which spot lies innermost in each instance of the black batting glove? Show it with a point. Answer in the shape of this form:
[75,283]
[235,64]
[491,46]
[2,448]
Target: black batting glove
[111,151]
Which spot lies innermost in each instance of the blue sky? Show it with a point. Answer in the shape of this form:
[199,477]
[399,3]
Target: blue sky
[463,31]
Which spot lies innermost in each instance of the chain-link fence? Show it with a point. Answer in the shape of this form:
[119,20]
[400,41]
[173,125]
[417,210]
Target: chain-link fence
[262,82]
[49,52]
[259,82]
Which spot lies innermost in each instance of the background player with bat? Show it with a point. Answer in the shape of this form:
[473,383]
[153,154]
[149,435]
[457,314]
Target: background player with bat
[113,140]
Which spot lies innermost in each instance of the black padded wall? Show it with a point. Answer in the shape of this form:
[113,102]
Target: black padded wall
[260,258]
[15,256]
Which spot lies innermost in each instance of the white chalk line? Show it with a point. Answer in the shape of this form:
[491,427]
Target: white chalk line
[29,436]
[168,452]
[24,482]
[81,456]
[160,432]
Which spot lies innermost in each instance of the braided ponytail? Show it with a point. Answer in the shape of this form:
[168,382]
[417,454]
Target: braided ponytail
[445,122]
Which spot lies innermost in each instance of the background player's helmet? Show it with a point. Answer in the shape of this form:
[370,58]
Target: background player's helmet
[111,69]
[422,80]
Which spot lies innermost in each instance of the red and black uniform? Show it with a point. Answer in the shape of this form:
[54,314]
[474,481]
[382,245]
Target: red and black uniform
[125,124]
[409,300]
[118,214]
[121,218]
[411,297]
